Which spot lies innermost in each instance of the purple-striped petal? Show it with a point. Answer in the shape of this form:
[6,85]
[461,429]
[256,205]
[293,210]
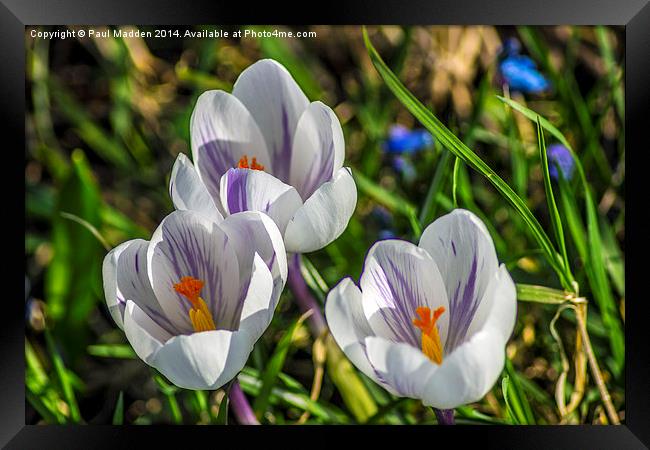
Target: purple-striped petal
[464,252]
[125,278]
[256,190]
[318,149]
[188,244]
[222,132]
[398,277]
[276,102]
[254,232]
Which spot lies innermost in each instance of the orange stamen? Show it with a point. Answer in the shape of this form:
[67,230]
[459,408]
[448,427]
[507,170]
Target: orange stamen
[243,164]
[200,315]
[431,345]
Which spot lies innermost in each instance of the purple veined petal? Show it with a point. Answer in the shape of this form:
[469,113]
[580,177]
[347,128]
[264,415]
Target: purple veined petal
[318,149]
[126,278]
[143,333]
[188,244]
[188,192]
[222,132]
[498,307]
[398,277]
[253,233]
[276,102]
[464,252]
[256,190]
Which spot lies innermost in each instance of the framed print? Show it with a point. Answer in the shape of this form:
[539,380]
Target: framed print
[405,219]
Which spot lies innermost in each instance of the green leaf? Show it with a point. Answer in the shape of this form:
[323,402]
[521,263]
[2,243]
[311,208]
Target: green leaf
[593,247]
[453,144]
[73,277]
[251,384]
[274,366]
[169,392]
[390,200]
[122,351]
[540,294]
[556,221]
[118,415]
[64,378]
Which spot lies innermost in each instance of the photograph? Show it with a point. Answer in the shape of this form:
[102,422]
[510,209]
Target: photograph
[325,225]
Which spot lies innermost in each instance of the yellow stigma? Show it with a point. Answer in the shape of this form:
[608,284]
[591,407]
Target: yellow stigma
[243,164]
[431,345]
[200,315]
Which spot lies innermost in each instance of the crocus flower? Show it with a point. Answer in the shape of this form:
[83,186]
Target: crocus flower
[194,299]
[402,140]
[559,156]
[429,321]
[519,71]
[265,147]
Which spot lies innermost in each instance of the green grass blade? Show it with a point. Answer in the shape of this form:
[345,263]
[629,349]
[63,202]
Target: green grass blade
[428,211]
[122,351]
[453,144]
[593,247]
[118,415]
[169,391]
[540,294]
[64,378]
[556,221]
[274,366]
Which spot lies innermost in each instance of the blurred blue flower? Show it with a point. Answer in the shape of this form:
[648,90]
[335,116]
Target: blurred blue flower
[402,140]
[404,166]
[559,156]
[384,220]
[519,71]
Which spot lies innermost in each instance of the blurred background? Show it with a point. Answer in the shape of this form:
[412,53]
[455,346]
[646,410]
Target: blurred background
[106,118]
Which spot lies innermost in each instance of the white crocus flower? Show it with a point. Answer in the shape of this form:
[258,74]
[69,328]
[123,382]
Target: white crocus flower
[431,321]
[194,299]
[266,148]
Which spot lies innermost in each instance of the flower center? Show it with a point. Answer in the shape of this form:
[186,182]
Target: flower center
[200,315]
[243,164]
[431,345]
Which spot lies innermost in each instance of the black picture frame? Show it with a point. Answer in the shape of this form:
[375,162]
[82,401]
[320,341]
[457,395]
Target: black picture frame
[633,14]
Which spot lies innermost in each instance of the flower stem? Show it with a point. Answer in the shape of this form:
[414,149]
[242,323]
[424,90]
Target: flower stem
[304,299]
[240,406]
[444,416]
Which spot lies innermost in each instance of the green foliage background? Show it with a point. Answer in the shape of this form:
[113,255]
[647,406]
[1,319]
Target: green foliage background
[107,117]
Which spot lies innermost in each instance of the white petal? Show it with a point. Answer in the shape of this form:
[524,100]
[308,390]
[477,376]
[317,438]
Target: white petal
[398,277]
[188,244]
[222,132]
[498,308]
[205,360]
[256,190]
[115,302]
[188,192]
[276,102]
[464,252]
[324,216]
[318,149]
[125,278]
[404,370]
[144,334]
[348,324]
[468,373]
[260,303]
[255,233]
